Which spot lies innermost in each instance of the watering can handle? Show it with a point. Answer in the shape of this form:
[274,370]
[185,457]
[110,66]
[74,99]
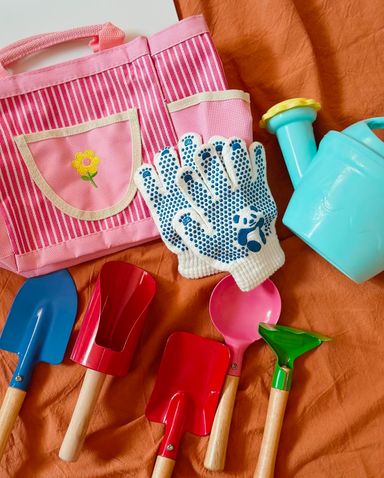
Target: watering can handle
[362,132]
[218,440]
[275,416]
[163,467]
[9,412]
[376,123]
[82,414]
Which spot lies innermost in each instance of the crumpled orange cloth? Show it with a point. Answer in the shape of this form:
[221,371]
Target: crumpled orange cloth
[276,49]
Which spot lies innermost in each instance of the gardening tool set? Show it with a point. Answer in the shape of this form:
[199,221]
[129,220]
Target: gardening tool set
[209,200]
[196,384]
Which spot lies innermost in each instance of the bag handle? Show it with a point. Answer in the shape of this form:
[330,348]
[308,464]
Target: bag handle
[21,42]
[103,36]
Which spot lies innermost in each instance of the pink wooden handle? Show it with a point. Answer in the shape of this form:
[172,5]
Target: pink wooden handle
[105,36]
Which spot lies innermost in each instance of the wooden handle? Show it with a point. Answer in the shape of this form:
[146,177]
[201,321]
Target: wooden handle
[163,467]
[9,411]
[77,430]
[275,416]
[218,440]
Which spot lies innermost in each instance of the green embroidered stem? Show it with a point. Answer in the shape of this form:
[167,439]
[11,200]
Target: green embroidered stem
[91,179]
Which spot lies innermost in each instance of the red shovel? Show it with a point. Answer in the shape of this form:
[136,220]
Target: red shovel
[185,396]
[107,340]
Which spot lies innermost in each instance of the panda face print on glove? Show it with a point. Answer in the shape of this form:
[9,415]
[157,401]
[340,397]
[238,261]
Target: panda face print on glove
[250,223]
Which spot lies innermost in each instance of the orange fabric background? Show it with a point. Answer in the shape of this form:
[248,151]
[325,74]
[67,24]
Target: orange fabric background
[275,49]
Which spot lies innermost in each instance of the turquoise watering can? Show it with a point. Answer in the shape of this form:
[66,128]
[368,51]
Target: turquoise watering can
[338,204]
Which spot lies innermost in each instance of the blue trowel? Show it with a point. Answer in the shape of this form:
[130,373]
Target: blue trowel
[37,329]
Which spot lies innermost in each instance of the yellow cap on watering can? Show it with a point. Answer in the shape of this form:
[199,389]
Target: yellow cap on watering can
[285,106]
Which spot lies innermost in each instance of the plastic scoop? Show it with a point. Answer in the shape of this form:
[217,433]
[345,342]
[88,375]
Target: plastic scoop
[236,315]
[107,340]
[288,344]
[186,392]
[37,329]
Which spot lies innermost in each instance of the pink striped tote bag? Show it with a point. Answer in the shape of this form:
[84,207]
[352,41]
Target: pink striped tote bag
[71,136]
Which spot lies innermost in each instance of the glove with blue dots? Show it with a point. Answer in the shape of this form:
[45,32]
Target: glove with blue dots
[157,185]
[231,221]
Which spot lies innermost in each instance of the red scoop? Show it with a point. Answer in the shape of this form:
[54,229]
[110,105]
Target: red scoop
[114,318]
[186,392]
[107,340]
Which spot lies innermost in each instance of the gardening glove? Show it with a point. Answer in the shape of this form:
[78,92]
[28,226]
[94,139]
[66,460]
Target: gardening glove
[231,221]
[157,185]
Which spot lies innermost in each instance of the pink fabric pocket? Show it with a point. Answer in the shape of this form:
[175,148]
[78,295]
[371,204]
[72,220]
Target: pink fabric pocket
[225,113]
[86,170]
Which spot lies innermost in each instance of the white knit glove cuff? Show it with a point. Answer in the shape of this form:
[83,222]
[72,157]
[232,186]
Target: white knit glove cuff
[193,267]
[256,268]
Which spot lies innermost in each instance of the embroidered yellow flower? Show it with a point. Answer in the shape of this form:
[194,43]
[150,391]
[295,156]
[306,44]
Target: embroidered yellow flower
[86,163]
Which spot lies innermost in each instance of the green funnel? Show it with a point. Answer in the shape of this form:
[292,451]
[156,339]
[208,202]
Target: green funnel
[288,344]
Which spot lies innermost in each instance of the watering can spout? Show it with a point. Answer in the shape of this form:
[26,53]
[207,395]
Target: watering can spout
[291,121]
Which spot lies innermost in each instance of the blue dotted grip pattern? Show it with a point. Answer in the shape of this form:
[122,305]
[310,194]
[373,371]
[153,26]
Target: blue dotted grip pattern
[157,184]
[233,212]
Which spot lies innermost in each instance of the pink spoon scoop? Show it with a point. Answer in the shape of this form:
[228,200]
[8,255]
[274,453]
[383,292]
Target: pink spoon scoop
[236,315]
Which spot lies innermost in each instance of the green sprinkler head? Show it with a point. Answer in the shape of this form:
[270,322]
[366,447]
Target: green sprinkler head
[288,344]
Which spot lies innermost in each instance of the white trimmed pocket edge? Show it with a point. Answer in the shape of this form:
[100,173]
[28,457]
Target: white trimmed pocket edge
[22,144]
[208,96]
